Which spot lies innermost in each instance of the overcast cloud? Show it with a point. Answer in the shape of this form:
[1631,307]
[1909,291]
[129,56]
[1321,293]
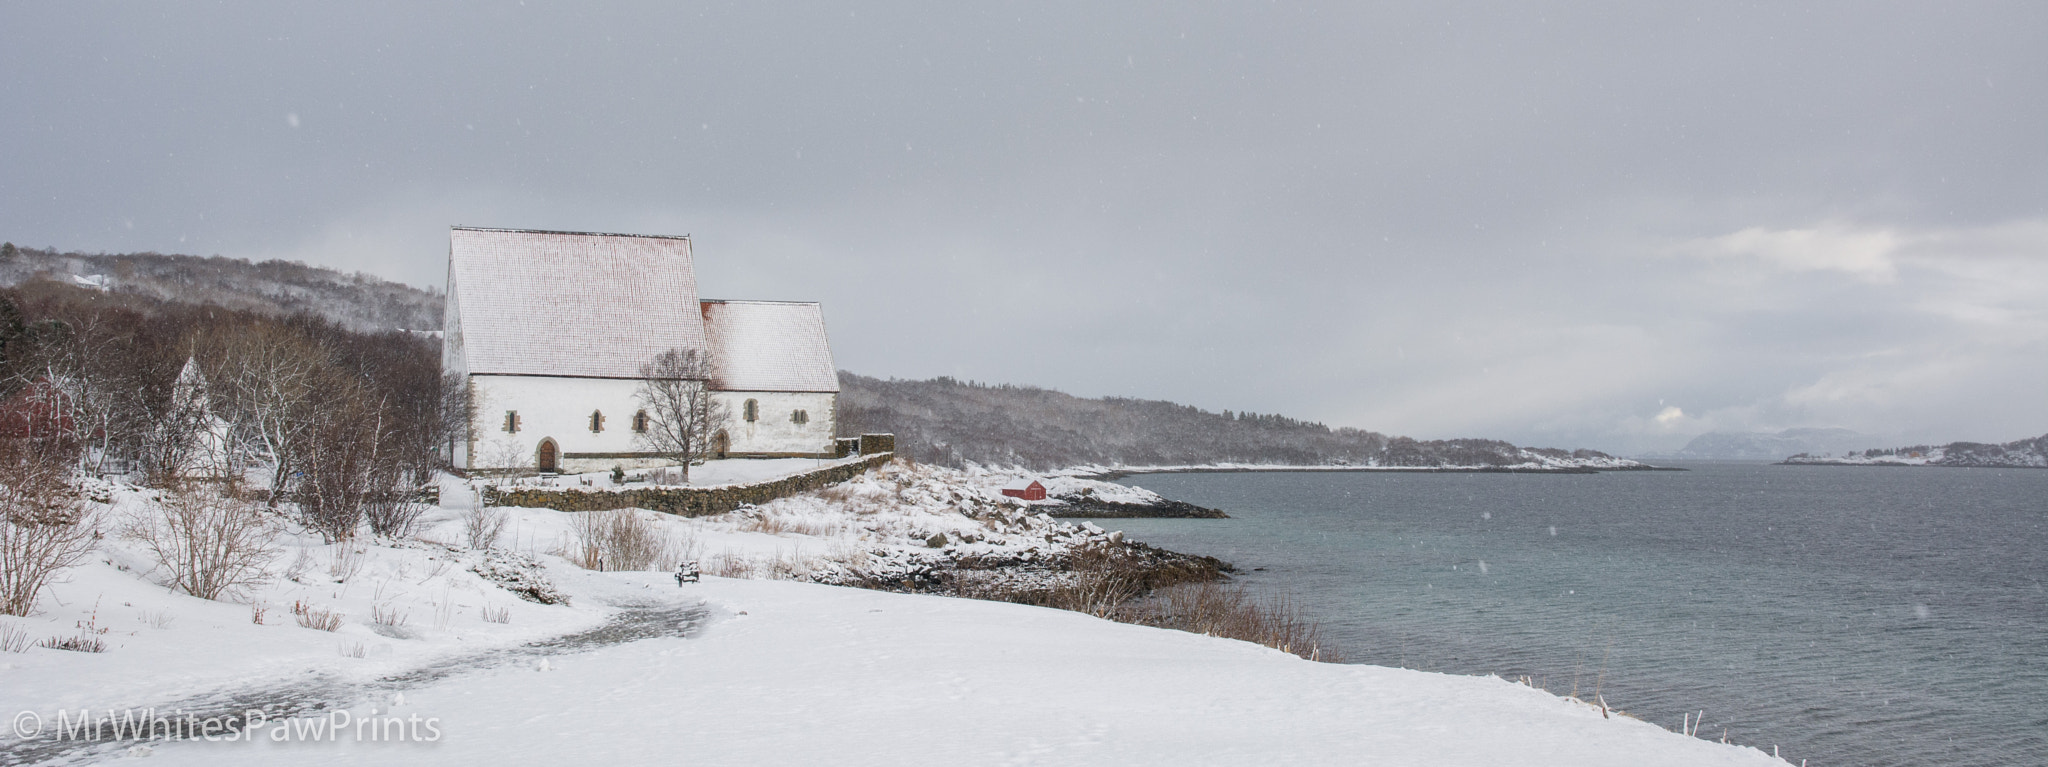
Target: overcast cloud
[1578,225]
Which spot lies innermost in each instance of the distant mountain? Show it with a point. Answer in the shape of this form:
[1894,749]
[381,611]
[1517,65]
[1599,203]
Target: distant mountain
[1764,446]
[357,301]
[952,422]
[2022,454]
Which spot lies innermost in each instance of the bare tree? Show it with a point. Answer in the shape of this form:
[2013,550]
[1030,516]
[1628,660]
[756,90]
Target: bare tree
[459,407]
[682,416]
[265,378]
[80,368]
[178,437]
[483,524]
[344,466]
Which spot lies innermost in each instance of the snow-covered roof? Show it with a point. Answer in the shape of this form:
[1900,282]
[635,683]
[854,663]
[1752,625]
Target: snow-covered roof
[569,303]
[1021,484]
[769,346]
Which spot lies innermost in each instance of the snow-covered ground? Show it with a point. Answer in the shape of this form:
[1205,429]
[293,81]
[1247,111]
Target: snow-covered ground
[774,671]
[1069,483]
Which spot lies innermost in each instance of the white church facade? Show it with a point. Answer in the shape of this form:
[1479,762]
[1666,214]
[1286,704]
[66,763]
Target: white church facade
[550,330]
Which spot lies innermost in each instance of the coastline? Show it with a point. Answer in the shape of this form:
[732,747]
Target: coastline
[1904,465]
[1109,474]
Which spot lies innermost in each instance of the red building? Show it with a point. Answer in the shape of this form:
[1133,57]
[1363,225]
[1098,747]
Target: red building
[1028,490]
[39,411]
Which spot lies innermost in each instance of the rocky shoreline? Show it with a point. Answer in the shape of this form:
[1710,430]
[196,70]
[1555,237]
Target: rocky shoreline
[1091,508]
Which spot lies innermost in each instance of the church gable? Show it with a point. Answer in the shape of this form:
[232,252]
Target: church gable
[568,304]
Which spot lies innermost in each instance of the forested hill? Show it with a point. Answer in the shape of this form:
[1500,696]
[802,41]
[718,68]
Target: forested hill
[951,422]
[357,301]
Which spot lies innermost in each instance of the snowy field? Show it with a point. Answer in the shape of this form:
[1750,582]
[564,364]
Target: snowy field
[741,671]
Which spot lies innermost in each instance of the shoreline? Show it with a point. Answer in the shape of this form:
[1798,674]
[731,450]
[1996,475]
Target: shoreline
[1900,465]
[1111,475]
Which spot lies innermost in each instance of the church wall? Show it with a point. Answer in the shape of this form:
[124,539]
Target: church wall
[774,432]
[551,408]
[559,409]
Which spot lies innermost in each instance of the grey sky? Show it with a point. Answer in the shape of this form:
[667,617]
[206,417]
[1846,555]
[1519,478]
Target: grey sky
[1583,225]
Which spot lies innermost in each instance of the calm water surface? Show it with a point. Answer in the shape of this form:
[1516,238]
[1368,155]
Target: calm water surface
[1850,616]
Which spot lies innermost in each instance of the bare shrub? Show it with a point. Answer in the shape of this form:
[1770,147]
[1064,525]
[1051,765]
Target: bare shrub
[1101,593]
[345,560]
[775,524]
[14,638]
[388,615]
[730,565]
[161,619]
[484,525]
[623,540]
[33,547]
[88,639]
[211,544]
[1208,608]
[393,513]
[316,618]
[354,650]
[301,563]
[43,526]
[497,614]
[765,523]
[80,643]
[791,567]
[782,565]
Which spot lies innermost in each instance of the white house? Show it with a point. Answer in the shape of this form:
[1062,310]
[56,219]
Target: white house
[550,330]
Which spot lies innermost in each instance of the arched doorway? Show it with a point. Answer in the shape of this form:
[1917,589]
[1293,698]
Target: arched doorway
[720,444]
[547,460]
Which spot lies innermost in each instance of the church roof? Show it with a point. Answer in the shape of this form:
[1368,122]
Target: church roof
[769,346]
[524,302]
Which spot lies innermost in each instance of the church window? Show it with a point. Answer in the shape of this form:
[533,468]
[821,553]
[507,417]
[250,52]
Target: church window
[511,421]
[753,411]
[799,417]
[596,420]
[640,422]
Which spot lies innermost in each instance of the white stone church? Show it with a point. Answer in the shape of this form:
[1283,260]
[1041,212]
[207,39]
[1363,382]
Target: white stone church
[550,329]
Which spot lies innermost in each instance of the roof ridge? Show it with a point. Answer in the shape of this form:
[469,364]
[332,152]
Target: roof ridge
[754,301]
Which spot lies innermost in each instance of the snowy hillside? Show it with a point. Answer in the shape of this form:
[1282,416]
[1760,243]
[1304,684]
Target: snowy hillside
[423,651]
[357,301]
[2019,454]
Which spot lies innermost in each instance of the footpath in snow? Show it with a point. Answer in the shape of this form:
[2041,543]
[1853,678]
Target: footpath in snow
[742,671]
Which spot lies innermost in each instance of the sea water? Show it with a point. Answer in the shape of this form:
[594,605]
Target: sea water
[1845,615]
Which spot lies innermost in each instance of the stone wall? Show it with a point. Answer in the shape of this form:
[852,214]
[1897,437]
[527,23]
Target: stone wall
[682,501]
